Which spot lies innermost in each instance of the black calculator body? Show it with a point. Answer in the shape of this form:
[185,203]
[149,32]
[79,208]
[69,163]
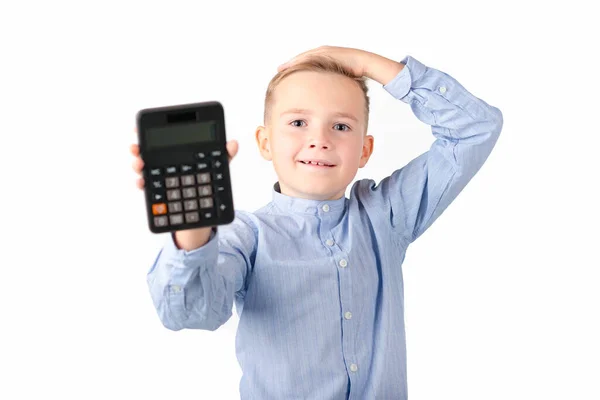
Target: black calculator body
[186,166]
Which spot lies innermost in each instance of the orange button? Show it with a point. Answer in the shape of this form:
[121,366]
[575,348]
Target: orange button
[158,209]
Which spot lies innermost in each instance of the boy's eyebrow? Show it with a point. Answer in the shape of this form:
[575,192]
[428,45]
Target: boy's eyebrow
[304,111]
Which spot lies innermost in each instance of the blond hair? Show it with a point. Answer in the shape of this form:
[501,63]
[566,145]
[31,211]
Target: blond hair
[317,64]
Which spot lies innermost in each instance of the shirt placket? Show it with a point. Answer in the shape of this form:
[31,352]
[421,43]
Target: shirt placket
[344,267]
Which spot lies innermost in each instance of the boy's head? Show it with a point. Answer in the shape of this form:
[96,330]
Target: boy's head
[316,112]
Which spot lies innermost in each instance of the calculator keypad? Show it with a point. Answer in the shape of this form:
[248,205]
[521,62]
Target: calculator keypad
[188,193]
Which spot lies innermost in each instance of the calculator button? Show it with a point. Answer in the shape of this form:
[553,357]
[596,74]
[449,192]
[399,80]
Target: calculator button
[190,205]
[220,188]
[206,202]
[158,196]
[157,184]
[158,209]
[222,207]
[172,182]
[218,176]
[189,192]
[192,217]
[222,200]
[201,166]
[155,172]
[174,194]
[207,215]
[171,170]
[161,221]
[205,190]
[175,207]
[176,219]
[216,153]
[217,164]
[200,155]
[186,168]
[203,177]
[187,180]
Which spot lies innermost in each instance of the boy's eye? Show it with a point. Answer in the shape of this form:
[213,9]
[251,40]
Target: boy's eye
[339,127]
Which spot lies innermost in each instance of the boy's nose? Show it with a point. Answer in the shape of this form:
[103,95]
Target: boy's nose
[320,140]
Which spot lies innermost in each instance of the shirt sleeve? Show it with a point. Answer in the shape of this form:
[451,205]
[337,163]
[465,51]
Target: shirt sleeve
[196,289]
[465,129]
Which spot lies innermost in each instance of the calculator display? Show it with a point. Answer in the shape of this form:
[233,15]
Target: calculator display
[181,134]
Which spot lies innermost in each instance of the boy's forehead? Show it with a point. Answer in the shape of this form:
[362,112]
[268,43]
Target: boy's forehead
[308,89]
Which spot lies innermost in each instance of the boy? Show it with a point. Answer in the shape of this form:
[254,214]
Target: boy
[317,277]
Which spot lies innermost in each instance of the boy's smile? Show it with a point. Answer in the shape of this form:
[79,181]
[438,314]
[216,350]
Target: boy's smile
[315,135]
[318,163]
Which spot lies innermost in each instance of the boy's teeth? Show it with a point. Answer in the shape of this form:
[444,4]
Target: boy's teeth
[315,163]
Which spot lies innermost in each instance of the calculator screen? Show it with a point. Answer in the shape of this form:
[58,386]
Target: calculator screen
[185,133]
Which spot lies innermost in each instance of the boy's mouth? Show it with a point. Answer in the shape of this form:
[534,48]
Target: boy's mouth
[317,163]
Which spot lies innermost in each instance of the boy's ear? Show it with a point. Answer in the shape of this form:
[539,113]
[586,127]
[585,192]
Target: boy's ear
[262,140]
[367,150]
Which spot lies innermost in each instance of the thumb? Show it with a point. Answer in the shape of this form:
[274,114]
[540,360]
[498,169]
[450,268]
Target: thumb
[232,148]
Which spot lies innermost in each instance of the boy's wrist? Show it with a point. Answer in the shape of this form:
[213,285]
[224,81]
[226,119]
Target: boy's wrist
[192,239]
[381,69]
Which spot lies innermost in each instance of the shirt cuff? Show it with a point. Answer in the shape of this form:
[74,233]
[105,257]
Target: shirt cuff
[400,86]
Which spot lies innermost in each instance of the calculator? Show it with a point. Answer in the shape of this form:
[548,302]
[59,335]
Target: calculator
[186,166]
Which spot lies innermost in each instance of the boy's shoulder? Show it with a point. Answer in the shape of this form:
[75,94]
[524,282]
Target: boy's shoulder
[281,214]
[251,219]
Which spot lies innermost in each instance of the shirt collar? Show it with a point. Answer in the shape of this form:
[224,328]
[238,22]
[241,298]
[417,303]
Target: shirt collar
[307,206]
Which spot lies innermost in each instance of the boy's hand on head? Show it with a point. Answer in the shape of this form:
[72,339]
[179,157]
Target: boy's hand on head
[353,59]
[138,163]
[360,62]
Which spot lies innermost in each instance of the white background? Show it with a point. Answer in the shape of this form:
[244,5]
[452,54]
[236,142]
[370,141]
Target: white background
[502,292]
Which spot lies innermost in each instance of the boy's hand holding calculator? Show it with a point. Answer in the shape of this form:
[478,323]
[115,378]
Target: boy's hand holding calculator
[182,157]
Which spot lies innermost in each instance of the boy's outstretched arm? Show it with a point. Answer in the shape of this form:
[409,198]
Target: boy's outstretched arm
[465,128]
[196,289]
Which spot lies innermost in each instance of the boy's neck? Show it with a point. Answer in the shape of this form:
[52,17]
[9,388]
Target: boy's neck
[324,197]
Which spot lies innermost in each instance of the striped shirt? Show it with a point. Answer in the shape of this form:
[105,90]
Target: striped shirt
[318,285]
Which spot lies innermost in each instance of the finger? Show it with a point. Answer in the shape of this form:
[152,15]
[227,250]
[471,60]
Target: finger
[290,62]
[139,182]
[295,60]
[298,58]
[137,165]
[135,149]
[232,148]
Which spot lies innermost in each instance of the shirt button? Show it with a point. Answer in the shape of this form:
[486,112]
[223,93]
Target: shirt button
[176,288]
[329,242]
[353,367]
[343,263]
[348,315]
[326,207]
[442,89]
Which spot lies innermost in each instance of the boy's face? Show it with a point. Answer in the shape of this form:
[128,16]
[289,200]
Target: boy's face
[316,117]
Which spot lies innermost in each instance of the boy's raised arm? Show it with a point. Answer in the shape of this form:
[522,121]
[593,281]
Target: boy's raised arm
[465,128]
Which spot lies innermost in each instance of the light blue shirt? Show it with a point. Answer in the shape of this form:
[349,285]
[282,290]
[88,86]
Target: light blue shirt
[318,285]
